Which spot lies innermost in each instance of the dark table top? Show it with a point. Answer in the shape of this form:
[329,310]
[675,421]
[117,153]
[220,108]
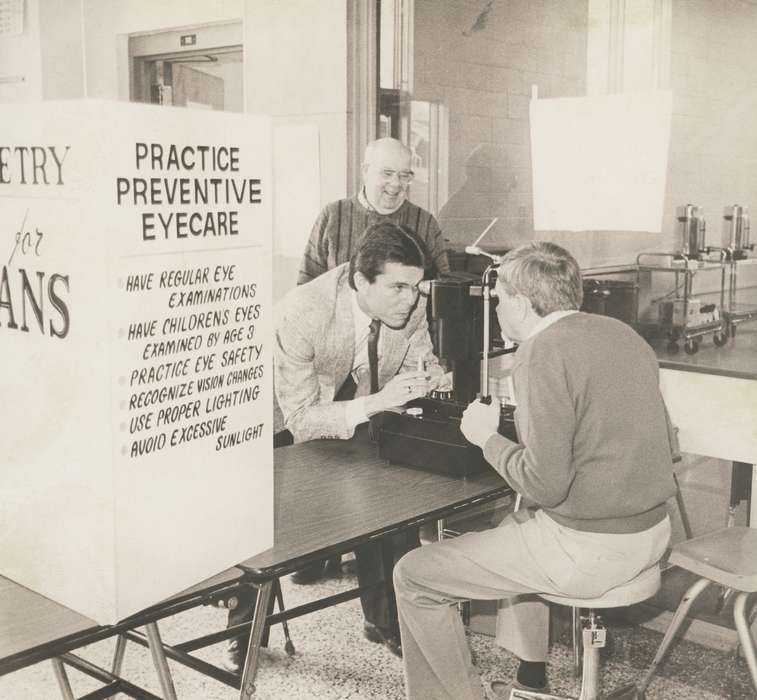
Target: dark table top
[332,492]
[34,628]
[737,358]
[28,619]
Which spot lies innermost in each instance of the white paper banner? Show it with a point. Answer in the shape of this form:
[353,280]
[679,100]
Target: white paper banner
[599,163]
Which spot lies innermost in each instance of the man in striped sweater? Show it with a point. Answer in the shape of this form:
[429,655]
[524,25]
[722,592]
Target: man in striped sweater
[387,174]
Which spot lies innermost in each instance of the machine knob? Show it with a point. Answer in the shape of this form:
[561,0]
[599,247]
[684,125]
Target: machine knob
[441,395]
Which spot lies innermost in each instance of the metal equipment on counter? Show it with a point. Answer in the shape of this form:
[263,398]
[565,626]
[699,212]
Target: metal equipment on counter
[737,229]
[612,297]
[693,228]
[427,434]
[683,317]
[737,252]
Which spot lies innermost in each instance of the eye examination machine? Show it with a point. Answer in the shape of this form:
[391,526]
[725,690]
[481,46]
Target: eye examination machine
[465,335]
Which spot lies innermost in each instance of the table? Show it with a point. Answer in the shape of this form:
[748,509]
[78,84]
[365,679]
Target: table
[36,629]
[333,495]
[330,496]
[712,398]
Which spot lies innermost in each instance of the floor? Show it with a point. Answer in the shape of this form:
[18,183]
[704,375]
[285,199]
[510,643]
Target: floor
[333,661]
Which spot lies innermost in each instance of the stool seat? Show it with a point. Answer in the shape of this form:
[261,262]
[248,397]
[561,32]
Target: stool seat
[638,589]
[728,557]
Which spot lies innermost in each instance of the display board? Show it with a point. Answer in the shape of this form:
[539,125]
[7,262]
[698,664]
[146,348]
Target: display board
[135,334]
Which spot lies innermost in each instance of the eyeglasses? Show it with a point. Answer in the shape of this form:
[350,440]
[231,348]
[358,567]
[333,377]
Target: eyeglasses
[404,176]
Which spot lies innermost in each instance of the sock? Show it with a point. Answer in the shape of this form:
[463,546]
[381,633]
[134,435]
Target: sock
[532,674]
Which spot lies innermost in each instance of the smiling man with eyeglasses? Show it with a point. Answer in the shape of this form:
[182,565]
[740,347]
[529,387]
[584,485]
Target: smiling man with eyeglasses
[387,176]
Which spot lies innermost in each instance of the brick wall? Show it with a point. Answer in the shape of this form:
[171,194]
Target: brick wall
[482,66]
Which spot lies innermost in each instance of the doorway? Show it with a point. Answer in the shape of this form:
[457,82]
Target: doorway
[198,67]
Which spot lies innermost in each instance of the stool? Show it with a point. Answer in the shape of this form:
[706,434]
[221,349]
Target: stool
[727,557]
[638,589]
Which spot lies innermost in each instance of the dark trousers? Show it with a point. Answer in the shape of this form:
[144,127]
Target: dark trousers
[244,610]
[378,608]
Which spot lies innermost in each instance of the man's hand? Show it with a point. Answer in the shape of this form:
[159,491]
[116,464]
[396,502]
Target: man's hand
[480,421]
[398,391]
[441,381]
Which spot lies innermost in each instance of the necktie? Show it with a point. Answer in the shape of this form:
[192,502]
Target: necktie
[373,336]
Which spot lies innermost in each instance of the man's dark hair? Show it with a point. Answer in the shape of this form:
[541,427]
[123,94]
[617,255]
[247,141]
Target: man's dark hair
[385,242]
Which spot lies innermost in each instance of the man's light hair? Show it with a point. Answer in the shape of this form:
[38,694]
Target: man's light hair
[373,146]
[546,274]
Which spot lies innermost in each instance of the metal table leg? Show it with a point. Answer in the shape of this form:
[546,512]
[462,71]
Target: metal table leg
[62,677]
[118,655]
[159,661]
[247,689]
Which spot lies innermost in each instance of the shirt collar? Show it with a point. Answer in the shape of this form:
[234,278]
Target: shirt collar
[362,320]
[363,200]
[548,320]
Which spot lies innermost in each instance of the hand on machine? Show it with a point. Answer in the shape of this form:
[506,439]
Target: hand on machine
[480,421]
[401,389]
[429,434]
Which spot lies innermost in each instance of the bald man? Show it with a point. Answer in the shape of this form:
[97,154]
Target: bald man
[387,174]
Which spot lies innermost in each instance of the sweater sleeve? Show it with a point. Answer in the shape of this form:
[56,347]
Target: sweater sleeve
[541,467]
[315,258]
[437,247]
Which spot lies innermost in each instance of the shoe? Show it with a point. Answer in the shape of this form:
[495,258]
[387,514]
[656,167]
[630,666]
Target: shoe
[378,635]
[315,572]
[349,567]
[234,656]
[501,690]
[333,566]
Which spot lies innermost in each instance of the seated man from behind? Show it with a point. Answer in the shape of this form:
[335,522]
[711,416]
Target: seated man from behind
[347,347]
[594,459]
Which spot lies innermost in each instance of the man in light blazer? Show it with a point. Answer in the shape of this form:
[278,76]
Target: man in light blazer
[322,327]
[321,337]
[322,385]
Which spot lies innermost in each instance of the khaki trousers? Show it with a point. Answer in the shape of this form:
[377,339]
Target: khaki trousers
[528,553]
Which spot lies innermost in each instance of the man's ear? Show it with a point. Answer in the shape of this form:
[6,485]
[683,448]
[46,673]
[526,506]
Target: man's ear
[364,169]
[360,280]
[524,306]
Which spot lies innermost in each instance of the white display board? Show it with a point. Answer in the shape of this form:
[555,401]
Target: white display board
[599,163]
[135,336]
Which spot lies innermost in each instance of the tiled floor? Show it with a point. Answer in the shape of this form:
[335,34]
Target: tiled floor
[333,661]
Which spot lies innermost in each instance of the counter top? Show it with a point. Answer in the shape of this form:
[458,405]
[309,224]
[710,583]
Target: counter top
[737,358]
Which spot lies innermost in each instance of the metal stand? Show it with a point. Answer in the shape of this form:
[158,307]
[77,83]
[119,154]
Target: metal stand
[736,313]
[684,278]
